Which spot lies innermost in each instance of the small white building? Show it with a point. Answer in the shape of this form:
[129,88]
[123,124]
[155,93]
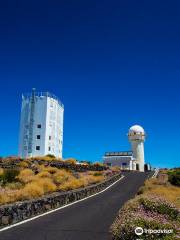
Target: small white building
[130,160]
[41,126]
[124,160]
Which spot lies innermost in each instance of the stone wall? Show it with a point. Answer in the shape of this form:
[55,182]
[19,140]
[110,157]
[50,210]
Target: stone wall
[58,164]
[16,212]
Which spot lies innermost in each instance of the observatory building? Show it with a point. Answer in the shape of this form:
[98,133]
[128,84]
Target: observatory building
[41,126]
[130,160]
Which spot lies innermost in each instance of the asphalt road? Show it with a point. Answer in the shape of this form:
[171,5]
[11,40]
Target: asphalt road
[86,220]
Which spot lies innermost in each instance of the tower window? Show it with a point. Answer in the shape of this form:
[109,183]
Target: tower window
[37,147]
[39,126]
[38,136]
[49,148]
[49,137]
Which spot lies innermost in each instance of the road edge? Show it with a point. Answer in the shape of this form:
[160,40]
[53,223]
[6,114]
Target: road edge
[57,209]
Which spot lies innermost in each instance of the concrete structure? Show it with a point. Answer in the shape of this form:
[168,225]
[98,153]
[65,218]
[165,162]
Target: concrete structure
[137,136]
[41,126]
[130,160]
[122,159]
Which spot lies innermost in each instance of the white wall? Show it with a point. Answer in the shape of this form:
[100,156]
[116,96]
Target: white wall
[49,114]
[119,160]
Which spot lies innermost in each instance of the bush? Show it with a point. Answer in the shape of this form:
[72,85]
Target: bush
[1,171]
[61,176]
[31,190]
[44,174]
[70,161]
[26,175]
[174,177]
[23,164]
[96,174]
[46,184]
[73,183]
[9,176]
[50,156]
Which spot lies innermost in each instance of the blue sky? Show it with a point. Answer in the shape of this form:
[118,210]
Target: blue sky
[112,63]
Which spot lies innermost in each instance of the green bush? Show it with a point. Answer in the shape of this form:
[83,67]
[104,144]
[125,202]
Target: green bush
[96,174]
[50,156]
[174,177]
[9,176]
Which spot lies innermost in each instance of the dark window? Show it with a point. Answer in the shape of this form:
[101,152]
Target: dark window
[38,136]
[49,137]
[49,148]
[39,126]
[37,147]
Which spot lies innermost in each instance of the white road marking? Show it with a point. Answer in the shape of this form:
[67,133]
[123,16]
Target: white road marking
[54,210]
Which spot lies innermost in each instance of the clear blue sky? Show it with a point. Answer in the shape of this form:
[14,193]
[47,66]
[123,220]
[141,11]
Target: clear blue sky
[112,63]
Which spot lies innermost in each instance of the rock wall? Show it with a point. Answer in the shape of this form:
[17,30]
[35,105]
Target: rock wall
[16,212]
[58,164]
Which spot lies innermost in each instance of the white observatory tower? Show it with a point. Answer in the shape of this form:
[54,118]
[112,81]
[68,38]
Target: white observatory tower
[41,127]
[137,136]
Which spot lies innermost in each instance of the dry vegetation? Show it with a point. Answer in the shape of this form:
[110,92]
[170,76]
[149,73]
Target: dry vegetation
[32,183]
[161,187]
[156,207]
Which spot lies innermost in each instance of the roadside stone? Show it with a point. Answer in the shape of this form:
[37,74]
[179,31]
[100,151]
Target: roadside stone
[5,220]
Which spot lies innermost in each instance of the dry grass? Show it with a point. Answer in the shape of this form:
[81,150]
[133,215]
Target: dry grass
[29,185]
[73,183]
[26,175]
[166,190]
[44,174]
[1,171]
[61,176]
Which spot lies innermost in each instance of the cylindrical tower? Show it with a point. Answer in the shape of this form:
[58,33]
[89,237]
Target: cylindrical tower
[137,136]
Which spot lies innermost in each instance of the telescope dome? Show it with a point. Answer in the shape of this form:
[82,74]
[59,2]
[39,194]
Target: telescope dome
[136,129]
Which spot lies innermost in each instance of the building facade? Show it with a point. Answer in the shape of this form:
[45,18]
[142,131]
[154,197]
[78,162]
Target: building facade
[124,159]
[41,126]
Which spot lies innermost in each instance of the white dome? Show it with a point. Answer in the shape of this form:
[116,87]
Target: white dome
[136,129]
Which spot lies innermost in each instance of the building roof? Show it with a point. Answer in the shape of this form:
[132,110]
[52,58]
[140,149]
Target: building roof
[42,94]
[136,129]
[122,153]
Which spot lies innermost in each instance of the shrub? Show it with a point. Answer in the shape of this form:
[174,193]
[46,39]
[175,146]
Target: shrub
[51,170]
[44,174]
[97,174]
[61,176]
[31,190]
[1,171]
[23,164]
[174,177]
[46,184]
[9,175]
[26,175]
[50,156]
[70,161]
[98,164]
[14,186]
[73,183]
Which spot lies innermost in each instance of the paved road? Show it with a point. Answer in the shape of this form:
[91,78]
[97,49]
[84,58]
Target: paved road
[86,220]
